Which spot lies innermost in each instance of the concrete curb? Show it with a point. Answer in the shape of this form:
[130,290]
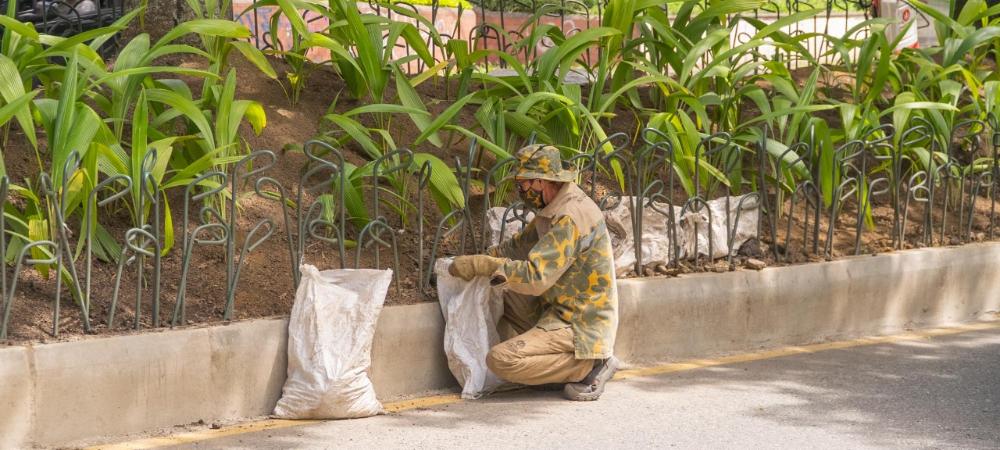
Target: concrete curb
[16,400]
[53,394]
[711,313]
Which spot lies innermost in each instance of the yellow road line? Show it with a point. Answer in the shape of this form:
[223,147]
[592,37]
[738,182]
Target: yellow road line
[422,402]
[796,350]
[437,400]
[266,424]
[204,435]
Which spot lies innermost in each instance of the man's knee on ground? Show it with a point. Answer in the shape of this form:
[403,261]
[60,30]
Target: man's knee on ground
[506,362]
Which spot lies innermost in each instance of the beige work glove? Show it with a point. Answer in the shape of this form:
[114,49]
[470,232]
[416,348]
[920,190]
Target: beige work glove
[469,266]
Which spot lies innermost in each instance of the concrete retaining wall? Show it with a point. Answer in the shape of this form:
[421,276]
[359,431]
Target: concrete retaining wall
[711,313]
[120,385]
[53,394]
[16,405]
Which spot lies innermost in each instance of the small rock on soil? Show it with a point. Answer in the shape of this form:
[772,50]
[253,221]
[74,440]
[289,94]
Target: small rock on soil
[751,248]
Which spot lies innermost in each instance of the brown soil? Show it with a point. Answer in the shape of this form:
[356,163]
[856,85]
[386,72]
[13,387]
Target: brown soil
[265,284]
[878,240]
[265,287]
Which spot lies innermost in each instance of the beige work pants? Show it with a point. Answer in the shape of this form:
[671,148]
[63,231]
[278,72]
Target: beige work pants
[529,354]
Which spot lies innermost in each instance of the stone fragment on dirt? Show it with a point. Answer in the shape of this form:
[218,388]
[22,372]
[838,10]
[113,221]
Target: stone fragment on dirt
[755,264]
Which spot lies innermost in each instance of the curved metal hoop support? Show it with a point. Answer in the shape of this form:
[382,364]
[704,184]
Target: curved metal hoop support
[374,229]
[917,190]
[731,230]
[443,231]
[844,191]
[191,237]
[55,194]
[985,180]
[137,241]
[423,181]
[501,168]
[516,212]
[695,204]
[282,199]
[89,221]
[317,152]
[872,191]
[392,162]
[22,259]
[266,228]
[808,191]
[243,171]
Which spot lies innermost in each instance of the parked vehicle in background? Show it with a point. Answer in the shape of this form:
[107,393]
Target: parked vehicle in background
[908,21]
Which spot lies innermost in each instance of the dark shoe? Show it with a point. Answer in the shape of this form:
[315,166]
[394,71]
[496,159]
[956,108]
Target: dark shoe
[592,386]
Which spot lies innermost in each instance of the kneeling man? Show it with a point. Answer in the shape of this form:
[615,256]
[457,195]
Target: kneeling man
[560,301]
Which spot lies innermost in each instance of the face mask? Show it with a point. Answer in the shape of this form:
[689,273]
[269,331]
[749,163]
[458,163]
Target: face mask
[532,198]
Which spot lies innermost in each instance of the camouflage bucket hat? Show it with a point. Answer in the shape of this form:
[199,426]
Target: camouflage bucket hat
[542,162]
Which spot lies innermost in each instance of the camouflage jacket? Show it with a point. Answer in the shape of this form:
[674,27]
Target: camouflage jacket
[564,257]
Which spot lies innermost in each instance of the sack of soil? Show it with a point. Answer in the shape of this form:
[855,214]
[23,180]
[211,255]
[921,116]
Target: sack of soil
[656,246]
[505,226]
[471,310]
[330,334]
[743,213]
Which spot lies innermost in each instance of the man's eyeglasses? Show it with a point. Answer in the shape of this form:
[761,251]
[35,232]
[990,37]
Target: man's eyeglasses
[525,184]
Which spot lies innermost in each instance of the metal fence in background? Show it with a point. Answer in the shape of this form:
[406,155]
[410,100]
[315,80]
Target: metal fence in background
[947,210]
[505,24]
[961,208]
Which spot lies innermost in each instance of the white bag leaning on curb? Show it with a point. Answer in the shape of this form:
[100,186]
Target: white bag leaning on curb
[471,310]
[330,336]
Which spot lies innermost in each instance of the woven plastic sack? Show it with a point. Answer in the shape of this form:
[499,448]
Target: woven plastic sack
[656,244]
[471,310]
[743,228]
[330,336]
[510,227]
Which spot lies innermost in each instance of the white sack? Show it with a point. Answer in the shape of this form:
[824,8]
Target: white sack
[471,310]
[494,216]
[655,235]
[330,336]
[744,229]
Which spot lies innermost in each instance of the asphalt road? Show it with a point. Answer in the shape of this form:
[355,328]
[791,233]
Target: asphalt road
[935,393]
